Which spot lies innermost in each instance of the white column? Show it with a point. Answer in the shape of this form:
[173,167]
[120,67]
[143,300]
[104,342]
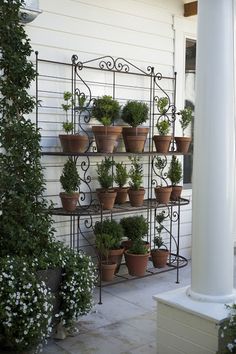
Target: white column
[214,155]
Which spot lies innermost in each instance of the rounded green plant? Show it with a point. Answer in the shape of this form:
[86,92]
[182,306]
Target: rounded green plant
[112,228]
[135,113]
[121,176]
[106,110]
[186,117]
[175,173]
[70,179]
[135,227]
[162,104]
[138,247]
[104,173]
[136,173]
[163,127]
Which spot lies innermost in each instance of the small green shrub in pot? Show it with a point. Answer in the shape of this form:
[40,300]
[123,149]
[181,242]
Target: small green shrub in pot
[183,142]
[136,191]
[112,228]
[163,127]
[163,140]
[162,104]
[121,176]
[106,110]
[135,113]
[160,252]
[106,194]
[67,126]
[175,174]
[186,118]
[135,228]
[70,182]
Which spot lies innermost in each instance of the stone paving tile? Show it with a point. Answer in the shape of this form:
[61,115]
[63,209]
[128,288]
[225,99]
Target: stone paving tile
[149,348]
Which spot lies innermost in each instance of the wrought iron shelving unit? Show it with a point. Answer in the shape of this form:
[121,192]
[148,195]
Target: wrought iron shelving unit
[120,79]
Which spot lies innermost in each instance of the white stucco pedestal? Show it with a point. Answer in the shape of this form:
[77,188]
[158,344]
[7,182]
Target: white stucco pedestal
[187,326]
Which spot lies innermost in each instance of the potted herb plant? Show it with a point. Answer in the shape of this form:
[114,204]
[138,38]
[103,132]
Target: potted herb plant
[175,174]
[162,193]
[136,191]
[136,258]
[135,113]
[135,228]
[160,252]
[104,242]
[163,105]
[115,230]
[70,182]
[106,194]
[183,142]
[121,177]
[106,110]
[70,142]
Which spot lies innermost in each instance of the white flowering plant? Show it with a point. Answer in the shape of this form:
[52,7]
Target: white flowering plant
[25,306]
[228,332]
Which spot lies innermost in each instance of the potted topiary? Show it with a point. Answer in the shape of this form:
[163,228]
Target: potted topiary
[162,193]
[70,142]
[106,110]
[136,258]
[183,142]
[135,113]
[70,182]
[175,174]
[135,228]
[158,253]
[121,177]
[106,194]
[104,242]
[115,230]
[136,191]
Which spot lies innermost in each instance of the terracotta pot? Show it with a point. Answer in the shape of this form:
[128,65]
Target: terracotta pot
[116,257]
[134,138]
[176,192]
[107,270]
[182,144]
[121,196]
[162,143]
[106,137]
[163,194]
[74,142]
[136,263]
[69,201]
[106,198]
[136,197]
[159,257]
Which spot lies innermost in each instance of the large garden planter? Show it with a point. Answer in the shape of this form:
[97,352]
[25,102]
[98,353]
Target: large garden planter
[136,263]
[74,143]
[106,138]
[106,198]
[69,201]
[182,144]
[163,194]
[136,197]
[159,257]
[135,138]
[162,143]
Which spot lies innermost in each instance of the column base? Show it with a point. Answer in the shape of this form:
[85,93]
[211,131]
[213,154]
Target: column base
[185,325]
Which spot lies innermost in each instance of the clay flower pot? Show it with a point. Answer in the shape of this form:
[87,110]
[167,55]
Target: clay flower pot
[121,196]
[159,257]
[107,270]
[182,144]
[162,143]
[106,198]
[69,201]
[134,138]
[136,263]
[136,197]
[116,257]
[106,138]
[163,194]
[74,143]
[176,192]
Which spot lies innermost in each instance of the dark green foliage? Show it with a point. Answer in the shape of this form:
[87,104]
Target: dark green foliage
[162,105]
[112,228]
[136,173]
[163,127]
[106,110]
[135,113]
[69,179]
[104,242]
[24,225]
[135,227]
[175,172]
[138,247]
[104,172]
[121,176]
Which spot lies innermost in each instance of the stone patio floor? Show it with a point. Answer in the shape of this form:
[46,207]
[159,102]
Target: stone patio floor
[126,321]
